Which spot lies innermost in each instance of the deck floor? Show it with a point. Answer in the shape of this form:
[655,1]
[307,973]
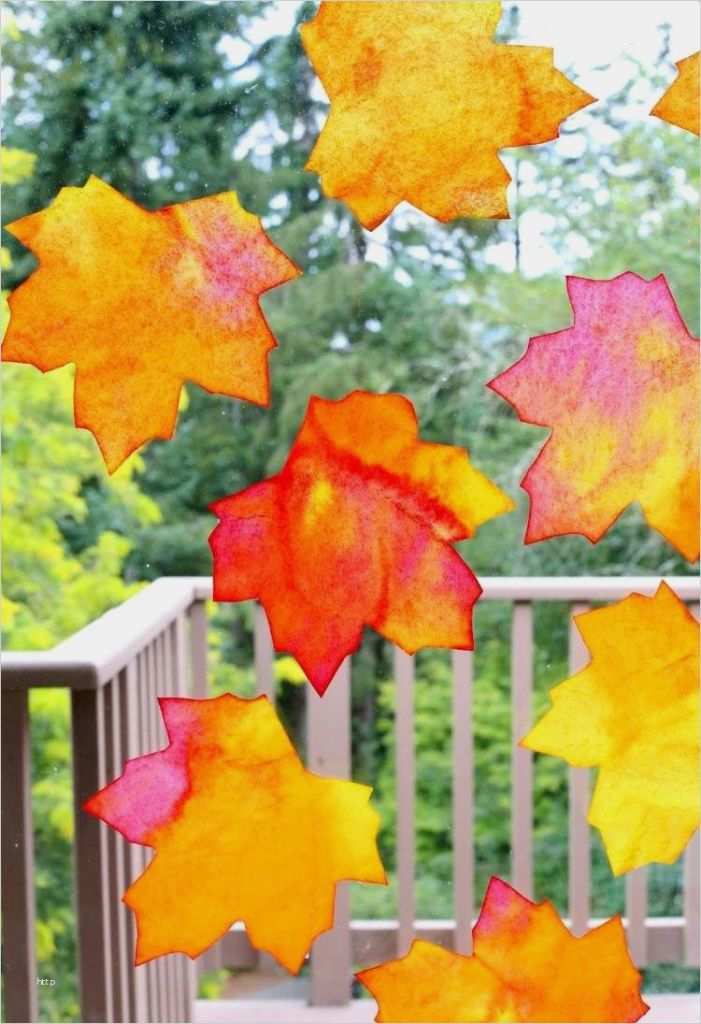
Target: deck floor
[664,1009]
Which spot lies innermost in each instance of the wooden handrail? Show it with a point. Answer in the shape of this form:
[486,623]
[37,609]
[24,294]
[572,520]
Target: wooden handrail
[94,655]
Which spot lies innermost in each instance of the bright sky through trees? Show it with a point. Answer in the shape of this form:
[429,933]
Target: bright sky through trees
[600,42]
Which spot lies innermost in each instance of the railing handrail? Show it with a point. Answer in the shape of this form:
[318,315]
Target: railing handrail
[583,588]
[93,655]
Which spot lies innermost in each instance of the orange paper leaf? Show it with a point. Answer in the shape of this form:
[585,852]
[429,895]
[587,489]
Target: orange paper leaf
[356,530]
[680,104]
[242,832]
[422,100]
[526,966]
[634,712]
[142,301]
[620,390]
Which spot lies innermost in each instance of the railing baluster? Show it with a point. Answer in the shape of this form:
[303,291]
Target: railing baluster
[189,969]
[92,876]
[158,690]
[147,746]
[123,747]
[463,801]
[263,659]
[692,871]
[329,753]
[579,853]
[636,912]
[172,676]
[406,775]
[144,852]
[165,687]
[521,759]
[115,851]
[168,689]
[157,741]
[130,722]
[263,654]
[155,725]
[691,902]
[18,912]
[180,654]
[171,687]
[198,642]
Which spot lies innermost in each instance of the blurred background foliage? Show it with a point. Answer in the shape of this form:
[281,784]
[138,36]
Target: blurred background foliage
[169,101]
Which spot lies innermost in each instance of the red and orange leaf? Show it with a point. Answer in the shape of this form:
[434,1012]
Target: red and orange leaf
[680,104]
[634,713]
[526,966]
[242,832]
[620,391]
[142,301]
[422,100]
[356,530]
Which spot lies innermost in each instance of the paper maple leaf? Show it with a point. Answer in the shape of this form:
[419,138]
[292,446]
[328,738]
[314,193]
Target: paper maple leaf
[141,301]
[634,712]
[356,530]
[526,966]
[422,99]
[620,390]
[242,832]
[680,104]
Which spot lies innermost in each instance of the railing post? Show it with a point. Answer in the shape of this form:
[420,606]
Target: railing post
[579,855]
[521,758]
[91,859]
[636,914]
[329,753]
[691,902]
[18,916]
[406,782]
[463,801]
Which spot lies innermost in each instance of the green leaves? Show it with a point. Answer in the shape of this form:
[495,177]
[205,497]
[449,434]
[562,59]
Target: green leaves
[51,590]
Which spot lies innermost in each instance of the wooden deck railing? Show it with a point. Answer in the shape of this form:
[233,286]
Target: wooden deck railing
[156,644]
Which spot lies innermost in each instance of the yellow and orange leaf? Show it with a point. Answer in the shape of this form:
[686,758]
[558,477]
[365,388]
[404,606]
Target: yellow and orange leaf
[634,713]
[620,391]
[142,301]
[242,832]
[526,966]
[680,104]
[356,530]
[422,100]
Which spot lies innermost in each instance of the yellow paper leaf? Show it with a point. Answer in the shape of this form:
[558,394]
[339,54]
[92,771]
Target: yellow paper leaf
[680,104]
[422,100]
[634,713]
[142,301]
[242,832]
[526,966]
